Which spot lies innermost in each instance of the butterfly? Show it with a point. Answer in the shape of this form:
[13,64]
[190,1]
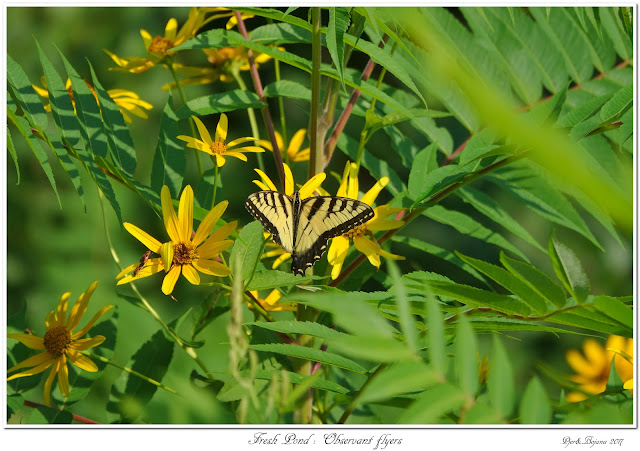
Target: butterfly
[303,226]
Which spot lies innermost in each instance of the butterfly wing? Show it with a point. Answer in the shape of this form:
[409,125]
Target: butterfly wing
[274,211]
[320,219]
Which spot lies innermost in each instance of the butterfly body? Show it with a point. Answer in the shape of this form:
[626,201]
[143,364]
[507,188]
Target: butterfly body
[303,226]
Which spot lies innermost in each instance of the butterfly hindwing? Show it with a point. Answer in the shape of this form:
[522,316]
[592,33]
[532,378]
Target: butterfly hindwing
[303,227]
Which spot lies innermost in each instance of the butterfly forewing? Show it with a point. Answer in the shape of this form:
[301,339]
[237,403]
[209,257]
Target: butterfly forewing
[274,211]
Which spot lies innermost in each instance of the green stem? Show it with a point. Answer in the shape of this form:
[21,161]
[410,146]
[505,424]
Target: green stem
[134,372]
[184,101]
[252,116]
[283,122]
[316,157]
[354,401]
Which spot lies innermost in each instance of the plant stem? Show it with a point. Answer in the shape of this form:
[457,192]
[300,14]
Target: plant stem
[134,372]
[354,401]
[252,117]
[316,159]
[266,115]
[75,417]
[184,101]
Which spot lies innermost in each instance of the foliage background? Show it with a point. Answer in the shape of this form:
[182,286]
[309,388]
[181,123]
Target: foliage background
[51,251]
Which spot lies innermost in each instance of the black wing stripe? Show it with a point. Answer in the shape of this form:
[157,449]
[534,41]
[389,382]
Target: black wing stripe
[251,204]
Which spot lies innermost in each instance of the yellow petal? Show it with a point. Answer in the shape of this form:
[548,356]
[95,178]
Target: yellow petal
[81,361]
[185,214]
[63,377]
[153,266]
[127,270]
[87,343]
[246,149]
[35,361]
[596,353]
[166,255]
[49,382]
[80,307]
[211,267]
[93,320]
[220,160]
[368,248]
[222,127]
[580,365]
[288,180]
[235,142]
[204,133]
[169,216]
[191,274]
[51,321]
[337,253]
[278,261]
[224,231]
[267,181]
[384,224]
[575,397]
[171,29]
[273,297]
[211,248]
[370,197]
[146,38]
[301,156]
[170,280]
[352,182]
[30,341]
[628,385]
[150,242]
[342,189]
[210,220]
[312,185]
[296,142]
[237,155]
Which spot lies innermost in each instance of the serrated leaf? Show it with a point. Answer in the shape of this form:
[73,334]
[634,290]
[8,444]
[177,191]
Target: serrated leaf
[407,323]
[268,279]
[233,100]
[535,407]
[314,355]
[373,348]
[535,279]
[280,33]
[573,319]
[435,333]
[12,152]
[24,128]
[510,282]
[247,250]
[289,89]
[617,105]
[300,327]
[500,384]
[615,309]
[568,269]
[339,19]
[466,348]
[432,404]
[615,30]
[397,379]
[25,95]
[169,160]
[120,142]
[295,378]
[152,359]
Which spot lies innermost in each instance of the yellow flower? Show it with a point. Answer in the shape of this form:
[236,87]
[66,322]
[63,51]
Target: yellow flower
[307,190]
[159,47]
[127,101]
[218,147]
[225,62]
[369,247]
[269,303]
[293,153]
[593,368]
[226,12]
[60,344]
[185,253]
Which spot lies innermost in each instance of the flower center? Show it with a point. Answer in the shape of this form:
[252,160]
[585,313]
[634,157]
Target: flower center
[183,253]
[218,147]
[160,45]
[56,340]
[357,231]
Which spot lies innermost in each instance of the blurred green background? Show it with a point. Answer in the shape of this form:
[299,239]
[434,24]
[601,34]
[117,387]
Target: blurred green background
[51,251]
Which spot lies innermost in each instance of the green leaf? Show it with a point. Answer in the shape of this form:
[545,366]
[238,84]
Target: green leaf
[568,269]
[398,378]
[280,33]
[535,407]
[619,104]
[510,282]
[500,384]
[247,250]
[339,19]
[233,100]
[25,95]
[432,404]
[466,348]
[407,323]
[435,333]
[152,360]
[615,309]
[300,327]
[268,279]
[373,348]
[314,355]
[482,413]
[494,211]
[289,89]
[49,415]
[578,319]
[467,225]
[120,142]
[614,382]
[626,15]
[24,128]
[583,111]
[438,252]
[615,30]
[536,279]
[169,161]
[12,152]
[475,297]
[295,378]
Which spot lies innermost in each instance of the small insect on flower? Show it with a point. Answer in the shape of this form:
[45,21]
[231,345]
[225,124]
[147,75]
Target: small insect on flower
[143,261]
